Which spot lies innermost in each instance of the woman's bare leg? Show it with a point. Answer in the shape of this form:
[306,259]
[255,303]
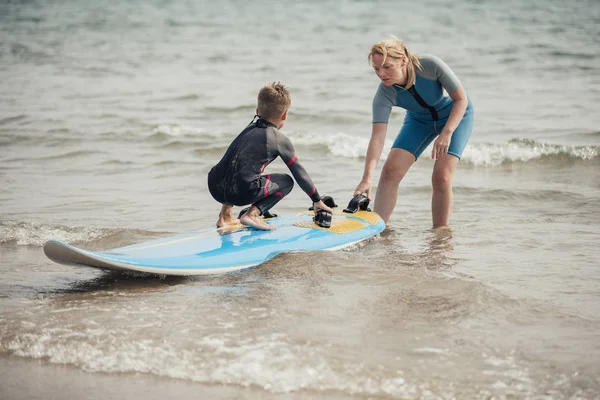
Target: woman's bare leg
[397,164]
[441,180]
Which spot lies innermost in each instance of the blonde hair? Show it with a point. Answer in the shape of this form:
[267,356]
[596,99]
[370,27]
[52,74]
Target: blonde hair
[395,48]
[273,100]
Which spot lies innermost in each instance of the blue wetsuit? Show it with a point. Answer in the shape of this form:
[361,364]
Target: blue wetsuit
[427,109]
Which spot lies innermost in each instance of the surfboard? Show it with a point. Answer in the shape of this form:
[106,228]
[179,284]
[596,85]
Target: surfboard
[223,250]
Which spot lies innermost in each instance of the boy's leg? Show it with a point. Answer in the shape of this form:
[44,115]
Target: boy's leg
[252,218]
[225,216]
[274,187]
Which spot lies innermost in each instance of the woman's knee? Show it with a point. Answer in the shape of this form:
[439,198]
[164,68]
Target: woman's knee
[441,179]
[391,174]
[396,166]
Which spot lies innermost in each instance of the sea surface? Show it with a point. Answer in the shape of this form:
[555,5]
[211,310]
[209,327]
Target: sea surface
[113,112]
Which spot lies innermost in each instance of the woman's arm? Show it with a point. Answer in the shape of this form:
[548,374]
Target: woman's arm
[374,150]
[461,102]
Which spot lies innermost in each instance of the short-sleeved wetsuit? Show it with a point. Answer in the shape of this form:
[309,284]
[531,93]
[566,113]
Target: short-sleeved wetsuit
[237,179]
[427,108]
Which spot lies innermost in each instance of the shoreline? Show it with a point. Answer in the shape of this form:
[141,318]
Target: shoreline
[33,379]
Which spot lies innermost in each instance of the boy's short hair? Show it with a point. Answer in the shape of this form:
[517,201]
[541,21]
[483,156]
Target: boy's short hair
[273,100]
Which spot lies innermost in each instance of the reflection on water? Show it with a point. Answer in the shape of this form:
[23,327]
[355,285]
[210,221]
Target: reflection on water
[121,282]
[439,253]
[441,239]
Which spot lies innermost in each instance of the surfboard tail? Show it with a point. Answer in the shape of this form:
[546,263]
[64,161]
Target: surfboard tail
[66,254]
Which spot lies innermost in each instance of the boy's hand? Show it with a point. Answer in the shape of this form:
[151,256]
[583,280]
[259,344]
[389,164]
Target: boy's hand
[321,206]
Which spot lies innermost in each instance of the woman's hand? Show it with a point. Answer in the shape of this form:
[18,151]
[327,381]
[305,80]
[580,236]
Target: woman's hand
[364,187]
[440,146]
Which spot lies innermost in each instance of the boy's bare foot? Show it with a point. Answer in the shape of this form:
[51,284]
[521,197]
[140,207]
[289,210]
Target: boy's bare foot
[224,221]
[225,216]
[252,218]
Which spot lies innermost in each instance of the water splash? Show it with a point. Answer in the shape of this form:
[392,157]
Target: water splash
[35,234]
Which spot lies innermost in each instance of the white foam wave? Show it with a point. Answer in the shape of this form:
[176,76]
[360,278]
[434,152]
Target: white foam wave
[338,144]
[486,154]
[181,131]
[33,234]
[271,362]
[479,154]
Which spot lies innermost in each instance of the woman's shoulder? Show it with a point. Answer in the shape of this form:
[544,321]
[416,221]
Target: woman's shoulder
[430,61]
[432,67]
[385,93]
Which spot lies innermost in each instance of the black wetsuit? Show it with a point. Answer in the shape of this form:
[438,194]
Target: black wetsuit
[237,179]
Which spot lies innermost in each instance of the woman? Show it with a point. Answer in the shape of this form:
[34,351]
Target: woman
[416,84]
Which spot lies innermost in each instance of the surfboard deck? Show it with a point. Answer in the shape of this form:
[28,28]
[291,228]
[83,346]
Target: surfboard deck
[222,250]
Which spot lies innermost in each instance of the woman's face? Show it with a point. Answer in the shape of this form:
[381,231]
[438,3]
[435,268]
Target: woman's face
[391,72]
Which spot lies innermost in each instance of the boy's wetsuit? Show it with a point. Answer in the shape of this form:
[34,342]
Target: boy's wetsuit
[237,179]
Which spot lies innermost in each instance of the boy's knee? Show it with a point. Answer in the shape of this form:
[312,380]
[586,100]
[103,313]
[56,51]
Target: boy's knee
[289,183]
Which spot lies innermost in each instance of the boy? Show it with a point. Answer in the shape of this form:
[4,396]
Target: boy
[237,180]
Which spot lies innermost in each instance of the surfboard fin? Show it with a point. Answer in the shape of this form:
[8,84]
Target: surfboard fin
[358,202]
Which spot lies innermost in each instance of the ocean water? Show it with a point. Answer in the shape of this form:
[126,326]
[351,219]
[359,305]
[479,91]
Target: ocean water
[112,113]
